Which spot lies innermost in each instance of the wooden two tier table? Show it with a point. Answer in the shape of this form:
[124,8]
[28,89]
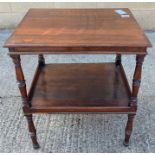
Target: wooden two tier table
[78,87]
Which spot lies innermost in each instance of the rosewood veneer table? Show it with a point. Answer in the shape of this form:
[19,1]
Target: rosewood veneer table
[85,87]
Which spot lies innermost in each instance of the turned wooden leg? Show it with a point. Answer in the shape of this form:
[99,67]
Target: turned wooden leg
[26,104]
[128,129]
[133,98]
[41,60]
[118,59]
[32,131]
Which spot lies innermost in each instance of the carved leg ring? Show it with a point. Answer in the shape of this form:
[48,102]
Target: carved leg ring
[133,98]
[26,105]
[128,129]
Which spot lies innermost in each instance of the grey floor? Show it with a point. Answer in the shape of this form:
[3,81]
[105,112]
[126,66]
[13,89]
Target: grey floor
[75,132]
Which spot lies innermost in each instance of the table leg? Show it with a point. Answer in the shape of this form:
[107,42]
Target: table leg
[128,129]
[133,99]
[118,59]
[26,105]
[41,60]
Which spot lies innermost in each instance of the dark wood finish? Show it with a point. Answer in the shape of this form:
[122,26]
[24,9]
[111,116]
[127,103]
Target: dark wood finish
[136,79]
[26,105]
[78,87]
[118,59]
[81,87]
[21,81]
[41,60]
[32,131]
[77,50]
[74,30]
[128,129]
[133,99]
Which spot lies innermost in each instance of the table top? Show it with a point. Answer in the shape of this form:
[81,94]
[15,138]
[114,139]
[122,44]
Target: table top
[78,28]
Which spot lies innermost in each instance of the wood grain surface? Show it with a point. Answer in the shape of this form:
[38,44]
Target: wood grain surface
[77,28]
[68,87]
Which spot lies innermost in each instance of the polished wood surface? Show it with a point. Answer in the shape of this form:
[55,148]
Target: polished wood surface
[133,99]
[99,87]
[25,101]
[76,86]
[77,30]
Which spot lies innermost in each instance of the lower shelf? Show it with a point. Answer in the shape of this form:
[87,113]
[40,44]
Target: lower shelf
[80,88]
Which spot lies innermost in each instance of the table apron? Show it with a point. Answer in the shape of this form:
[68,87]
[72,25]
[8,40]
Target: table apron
[77,50]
